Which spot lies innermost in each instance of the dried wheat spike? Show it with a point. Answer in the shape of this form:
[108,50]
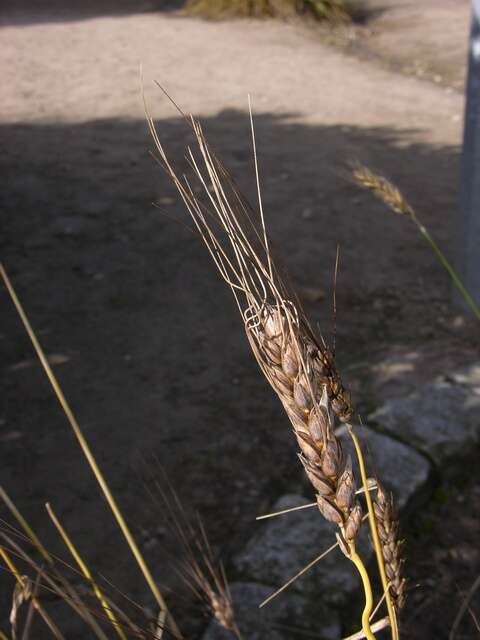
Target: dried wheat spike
[388,531]
[300,368]
[383,189]
[202,573]
[293,365]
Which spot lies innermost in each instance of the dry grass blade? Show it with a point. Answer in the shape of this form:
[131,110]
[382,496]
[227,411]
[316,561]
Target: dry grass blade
[84,569]
[89,455]
[62,589]
[201,572]
[21,582]
[22,593]
[464,608]
[54,583]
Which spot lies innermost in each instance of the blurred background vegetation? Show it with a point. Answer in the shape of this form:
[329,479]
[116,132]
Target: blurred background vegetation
[322,9]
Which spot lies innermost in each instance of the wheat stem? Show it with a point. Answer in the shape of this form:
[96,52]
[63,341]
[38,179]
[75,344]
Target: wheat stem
[84,569]
[19,578]
[88,453]
[374,532]
[367,587]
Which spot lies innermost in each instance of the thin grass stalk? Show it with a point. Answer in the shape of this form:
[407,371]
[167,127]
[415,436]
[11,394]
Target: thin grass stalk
[374,532]
[449,268]
[25,526]
[66,593]
[18,577]
[464,607]
[84,569]
[89,455]
[3,636]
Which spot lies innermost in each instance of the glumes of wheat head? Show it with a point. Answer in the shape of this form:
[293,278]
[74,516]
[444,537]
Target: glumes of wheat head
[291,364]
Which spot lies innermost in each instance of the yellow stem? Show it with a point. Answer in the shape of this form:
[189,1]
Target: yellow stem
[19,578]
[367,610]
[374,532]
[84,569]
[89,455]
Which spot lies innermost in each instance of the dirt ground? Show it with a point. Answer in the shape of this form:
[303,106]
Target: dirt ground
[144,337]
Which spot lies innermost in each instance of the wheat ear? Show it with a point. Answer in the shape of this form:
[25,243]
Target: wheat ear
[300,369]
[388,531]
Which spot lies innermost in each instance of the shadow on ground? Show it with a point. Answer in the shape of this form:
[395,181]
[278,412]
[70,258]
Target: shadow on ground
[25,12]
[145,337]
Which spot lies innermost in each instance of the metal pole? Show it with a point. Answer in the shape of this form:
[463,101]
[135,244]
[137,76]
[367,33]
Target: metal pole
[468,248]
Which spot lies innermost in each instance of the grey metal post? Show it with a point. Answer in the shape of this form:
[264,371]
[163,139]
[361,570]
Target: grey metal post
[468,248]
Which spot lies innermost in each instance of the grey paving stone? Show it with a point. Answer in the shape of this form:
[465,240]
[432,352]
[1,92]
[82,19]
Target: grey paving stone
[442,417]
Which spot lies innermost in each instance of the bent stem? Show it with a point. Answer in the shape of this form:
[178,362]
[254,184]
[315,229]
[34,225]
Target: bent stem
[367,610]
[376,540]
[89,456]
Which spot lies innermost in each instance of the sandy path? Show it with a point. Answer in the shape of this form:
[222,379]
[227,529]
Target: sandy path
[128,299]
[89,69]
